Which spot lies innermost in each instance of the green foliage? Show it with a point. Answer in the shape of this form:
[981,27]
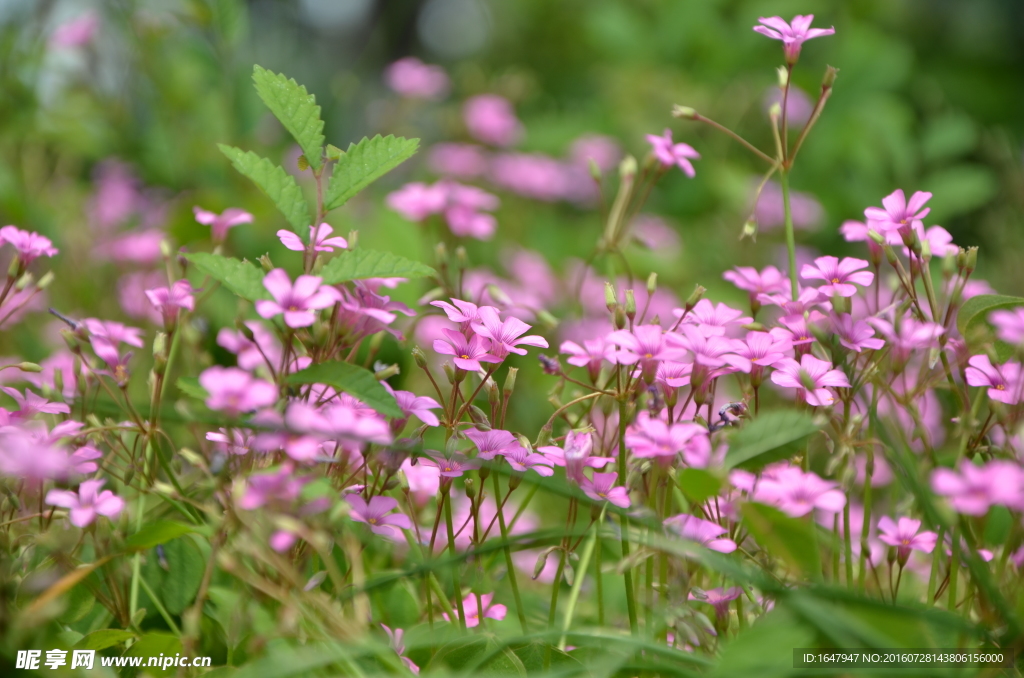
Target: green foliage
[535,655]
[275,182]
[699,484]
[364,163]
[191,387]
[975,311]
[104,638]
[241,277]
[351,379]
[792,539]
[158,532]
[769,437]
[177,585]
[478,655]
[296,109]
[359,264]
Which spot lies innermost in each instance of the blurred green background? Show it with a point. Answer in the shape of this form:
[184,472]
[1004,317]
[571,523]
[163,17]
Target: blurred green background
[928,97]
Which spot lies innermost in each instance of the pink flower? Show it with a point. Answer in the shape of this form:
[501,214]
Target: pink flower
[769,280]
[88,503]
[718,598]
[375,514]
[703,532]
[646,345]
[522,460]
[575,456]
[505,335]
[297,302]
[30,246]
[712,318]
[769,208]
[763,350]
[417,201]
[231,441]
[592,355]
[799,106]
[810,376]
[77,32]
[235,391]
[220,223]
[412,78]
[83,459]
[251,353]
[491,119]
[395,640]
[898,215]
[855,335]
[464,161]
[469,353]
[975,488]
[462,312]
[793,35]
[31,404]
[839,276]
[713,354]
[1004,382]
[23,456]
[906,335]
[412,404]
[278,488]
[602,488]
[1009,325]
[472,609]
[141,247]
[319,238]
[906,537]
[450,466]
[424,480]
[669,154]
[533,175]
[492,442]
[797,493]
[169,300]
[652,437]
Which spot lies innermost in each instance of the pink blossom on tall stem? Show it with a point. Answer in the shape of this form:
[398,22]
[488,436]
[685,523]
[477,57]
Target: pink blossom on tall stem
[298,302]
[701,531]
[463,312]
[424,480]
[975,488]
[417,201]
[840,276]
[718,598]
[522,460]
[319,239]
[492,120]
[395,640]
[469,353]
[592,355]
[855,335]
[899,215]
[414,405]
[797,493]
[1009,325]
[906,537]
[646,345]
[30,246]
[713,354]
[169,300]
[473,612]
[810,376]
[669,153]
[793,34]
[236,391]
[492,442]
[377,514]
[575,455]
[763,350]
[463,161]
[712,318]
[221,223]
[451,466]
[651,437]
[505,336]
[412,78]
[1004,382]
[602,488]
[769,280]
[906,335]
[31,404]
[87,503]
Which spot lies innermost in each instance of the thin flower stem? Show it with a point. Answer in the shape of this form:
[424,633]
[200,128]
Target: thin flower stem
[509,565]
[628,574]
[456,583]
[790,236]
[577,582]
[933,575]
[954,568]
[749,146]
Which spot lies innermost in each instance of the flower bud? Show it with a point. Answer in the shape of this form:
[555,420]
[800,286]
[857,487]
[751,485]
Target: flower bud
[498,295]
[420,357]
[510,382]
[961,258]
[972,260]
[386,372]
[441,254]
[470,486]
[611,299]
[926,251]
[492,391]
[749,230]
[461,257]
[754,327]
[353,239]
[841,304]
[449,372]
[594,169]
[549,321]
[71,340]
[652,284]
[514,480]
[266,263]
[32,367]
[876,237]
[479,418]
[628,167]
[829,78]
[619,318]
[45,281]
[630,305]
[890,255]
[695,297]
[160,344]
[684,112]
[783,75]
[14,267]
[775,113]
[24,282]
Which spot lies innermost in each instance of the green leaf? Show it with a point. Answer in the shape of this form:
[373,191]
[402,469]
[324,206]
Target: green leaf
[360,263]
[190,386]
[276,183]
[152,645]
[476,656]
[159,532]
[363,164]
[975,310]
[765,648]
[792,539]
[241,277]
[769,437]
[102,639]
[79,602]
[353,380]
[533,658]
[178,584]
[295,108]
[699,484]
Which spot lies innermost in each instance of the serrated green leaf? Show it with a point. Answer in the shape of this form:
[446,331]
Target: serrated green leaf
[791,539]
[360,263]
[241,277]
[102,639]
[976,310]
[364,163]
[190,386]
[159,532]
[353,380]
[769,437]
[275,182]
[295,108]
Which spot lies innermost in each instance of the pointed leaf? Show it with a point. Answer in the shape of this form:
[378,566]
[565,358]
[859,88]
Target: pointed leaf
[976,310]
[359,264]
[364,163]
[190,386]
[277,184]
[295,108]
[241,277]
[159,532]
[353,380]
[699,484]
[102,639]
[769,437]
[792,539]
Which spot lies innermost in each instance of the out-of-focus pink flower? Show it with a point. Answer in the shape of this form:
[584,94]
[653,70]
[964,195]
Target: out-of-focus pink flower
[655,234]
[797,493]
[793,35]
[906,335]
[24,456]
[395,640]
[416,201]
[810,376]
[30,246]
[77,32]
[505,335]
[1004,382]
[712,318]
[424,480]
[703,532]
[83,460]
[602,488]
[669,153]
[906,537]
[319,237]
[1009,325]
[251,353]
[131,294]
[899,215]
[231,441]
[651,437]
[377,514]
[31,404]
[220,223]
[168,300]
[87,503]
[236,391]
[473,613]
[412,78]
[463,161]
[770,280]
[522,460]
[840,276]
[713,354]
[855,335]
[414,405]
[533,175]
[769,212]
[975,488]
[604,151]
[141,247]
[576,455]
[492,442]
[591,355]
[799,106]
[468,352]
[492,120]
[278,489]
[298,302]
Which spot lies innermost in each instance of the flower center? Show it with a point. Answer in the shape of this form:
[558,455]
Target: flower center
[1000,387]
[835,281]
[906,542]
[648,355]
[372,521]
[464,356]
[293,307]
[447,469]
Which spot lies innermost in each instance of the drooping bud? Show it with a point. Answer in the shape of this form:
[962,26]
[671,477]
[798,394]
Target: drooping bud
[749,230]
[45,281]
[695,297]
[961,258]
[684,112]
[890,255]
[470,486]
[31,367]
[493,394]
[420,357]
[24,281]
[479,418]
[461,257]
[630,305]
[876,237]
[441,254]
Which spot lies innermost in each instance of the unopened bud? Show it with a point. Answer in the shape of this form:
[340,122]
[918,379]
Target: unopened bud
[684,112]
[245,331]
[961,258]
[461,257]
[420,357]
[479,418]
[165,249]
[544,437]
[45,281]
[829,78]
[695,297]
[926,251]
[619,318]
[386,372]
[754,327]
[353,239]
[630,305]
[594,169]
[71,340]
[266,264]
[890,255]
[441,254]
[610,297]
[514,480]
[628,167]
[449,372]
[877,237]
[510,382]
[549,321]
[24,281]
[775,112]
[749,230]
[783,74]
[972,260]
[549,364]
[498,295]
[14,267]
[652,283]
[31,367]
[470,486]
[160,344]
